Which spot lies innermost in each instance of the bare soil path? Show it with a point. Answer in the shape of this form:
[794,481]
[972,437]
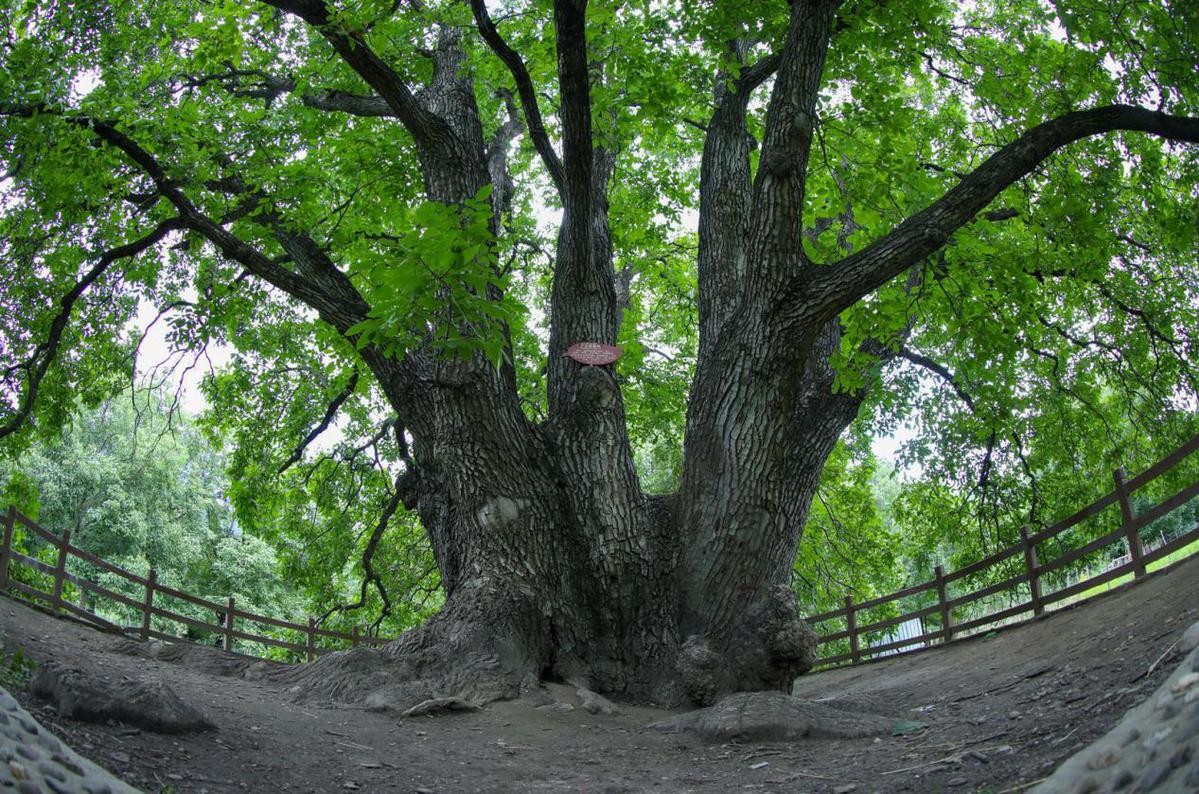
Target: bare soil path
[1000,713]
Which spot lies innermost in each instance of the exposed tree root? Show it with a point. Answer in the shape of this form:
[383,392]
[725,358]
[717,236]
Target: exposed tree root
[773,716]
[476,651]
[493,645]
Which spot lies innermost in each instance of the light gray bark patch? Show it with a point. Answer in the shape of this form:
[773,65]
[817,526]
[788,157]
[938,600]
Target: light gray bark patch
[773,717]
[596,704]
[147,704]
[501,511]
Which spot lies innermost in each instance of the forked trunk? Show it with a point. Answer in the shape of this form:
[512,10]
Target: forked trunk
[548,576]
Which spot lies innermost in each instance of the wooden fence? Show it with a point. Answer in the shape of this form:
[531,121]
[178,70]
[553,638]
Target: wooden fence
[315,640]
[1029,576]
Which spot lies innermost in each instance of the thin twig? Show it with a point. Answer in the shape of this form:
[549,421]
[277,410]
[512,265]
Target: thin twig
[956,757]
[1159,659]
[761,754]
[355,746]
[1056,742]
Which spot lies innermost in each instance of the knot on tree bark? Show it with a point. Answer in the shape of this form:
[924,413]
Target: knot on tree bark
[768,651]
[702,671]
[595,389]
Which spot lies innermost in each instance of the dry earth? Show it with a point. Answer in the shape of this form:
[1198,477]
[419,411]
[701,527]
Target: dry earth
[1001,713]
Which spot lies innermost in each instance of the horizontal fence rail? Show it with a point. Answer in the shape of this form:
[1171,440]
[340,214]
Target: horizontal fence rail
[1025,574]
[313,640]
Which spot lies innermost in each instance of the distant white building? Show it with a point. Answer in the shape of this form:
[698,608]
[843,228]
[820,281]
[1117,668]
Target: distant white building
[907,630]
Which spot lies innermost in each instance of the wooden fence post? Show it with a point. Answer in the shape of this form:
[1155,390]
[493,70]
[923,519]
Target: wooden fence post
[10,521]
[1030,564]
[229,625]
[354,636]
[1130,524]
[943,599]
[851,624]
[60,569]
[311,639]
[148,603]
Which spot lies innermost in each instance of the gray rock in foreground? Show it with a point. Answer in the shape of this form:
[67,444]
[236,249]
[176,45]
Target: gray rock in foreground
[773,716]
[1155,748]
[33,760]
[147,704]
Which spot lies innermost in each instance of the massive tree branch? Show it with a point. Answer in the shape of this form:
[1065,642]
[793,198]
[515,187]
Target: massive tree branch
[341,306]
[574,79]
[524,87]
[776,236]
[39,363]
[583,294]
[830,290]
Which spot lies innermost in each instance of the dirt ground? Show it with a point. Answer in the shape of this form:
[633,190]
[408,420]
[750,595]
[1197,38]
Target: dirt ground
[1001,713]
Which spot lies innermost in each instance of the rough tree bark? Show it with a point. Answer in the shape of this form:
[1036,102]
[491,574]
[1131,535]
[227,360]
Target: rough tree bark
[554,562]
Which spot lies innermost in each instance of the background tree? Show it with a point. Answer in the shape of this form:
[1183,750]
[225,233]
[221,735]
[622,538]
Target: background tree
[350,195]
[141,494]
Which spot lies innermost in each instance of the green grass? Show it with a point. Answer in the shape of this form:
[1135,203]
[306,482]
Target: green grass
[1156,565]
[15,669]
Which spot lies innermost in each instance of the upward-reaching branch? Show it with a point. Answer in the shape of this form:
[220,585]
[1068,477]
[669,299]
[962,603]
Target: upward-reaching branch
[778,191]
[724,191]
[574,79]
[583,295]
[832,289]
[524,88]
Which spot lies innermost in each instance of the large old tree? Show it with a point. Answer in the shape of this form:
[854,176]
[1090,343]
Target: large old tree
[355,197]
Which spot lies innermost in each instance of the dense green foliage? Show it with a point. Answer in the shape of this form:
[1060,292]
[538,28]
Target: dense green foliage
[1047,344]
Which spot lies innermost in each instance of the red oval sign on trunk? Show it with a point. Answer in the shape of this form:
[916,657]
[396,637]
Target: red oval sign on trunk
[593,353]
